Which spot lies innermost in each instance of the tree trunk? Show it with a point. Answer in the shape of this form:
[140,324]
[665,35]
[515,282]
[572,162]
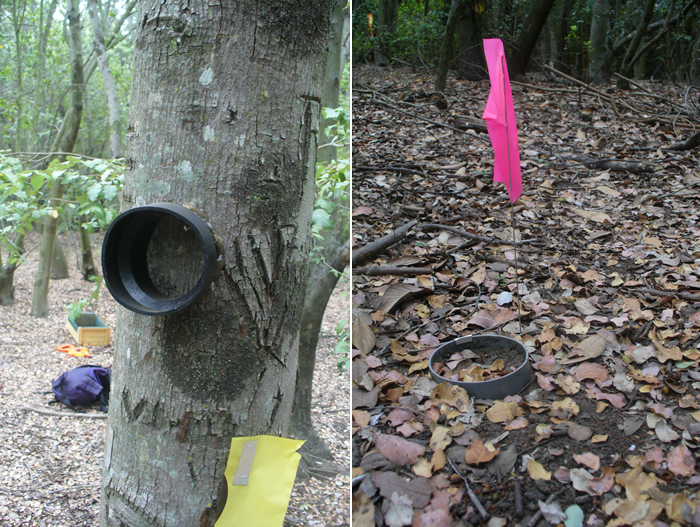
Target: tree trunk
[471,63]
[520,52]
[448,37]
[386,23]
[224,117]
[600,25]
[7,272]
[330,95]
[18,11]
[115,123]
[40,305]
[627,67]
[87,266]
[319,289]
[40,71]
[59,262]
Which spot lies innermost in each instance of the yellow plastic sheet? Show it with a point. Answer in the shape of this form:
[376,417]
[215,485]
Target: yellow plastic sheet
[264,500]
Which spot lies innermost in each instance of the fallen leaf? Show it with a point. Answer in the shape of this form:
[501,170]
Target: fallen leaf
[418,489]
[599,217]
[364,399]
[362,336]
[398,510]
[588,459]
[665,432]
[478,452]
[604,483]
[516,424]
[537,472]
[578,432]
[397,449]
[436,518]
[362,510]
[397,293]
[552,512]
[440,438]
[361,417]
[453,395]
[580,478]
[502,411]
[681,461]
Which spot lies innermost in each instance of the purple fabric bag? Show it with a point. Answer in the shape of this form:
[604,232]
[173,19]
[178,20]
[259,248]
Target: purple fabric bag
[83,386]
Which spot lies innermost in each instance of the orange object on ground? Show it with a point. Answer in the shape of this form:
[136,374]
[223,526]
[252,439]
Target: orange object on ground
[73,351]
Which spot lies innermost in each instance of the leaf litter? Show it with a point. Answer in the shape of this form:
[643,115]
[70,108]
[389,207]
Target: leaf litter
[606,286]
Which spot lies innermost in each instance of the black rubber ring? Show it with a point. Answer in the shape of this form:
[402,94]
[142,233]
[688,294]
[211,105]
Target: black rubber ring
[125,264]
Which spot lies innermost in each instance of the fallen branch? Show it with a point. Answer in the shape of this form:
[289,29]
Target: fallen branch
[375,248]
[473,497]
[436,123]
[690,143]
[590,88]
[656,292]
[614,165]
[378,270]
[62,414]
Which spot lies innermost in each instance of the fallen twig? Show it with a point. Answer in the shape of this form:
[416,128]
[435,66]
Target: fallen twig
[375,248]
[536,517]
[62,414]
[473,497]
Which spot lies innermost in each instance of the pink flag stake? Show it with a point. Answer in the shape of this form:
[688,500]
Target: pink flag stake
[500,121]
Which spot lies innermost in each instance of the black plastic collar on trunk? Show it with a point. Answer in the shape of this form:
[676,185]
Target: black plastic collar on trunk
[125,265]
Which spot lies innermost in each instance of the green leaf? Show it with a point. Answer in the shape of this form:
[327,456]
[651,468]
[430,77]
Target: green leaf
[321,220]
[37,180]
[94,191]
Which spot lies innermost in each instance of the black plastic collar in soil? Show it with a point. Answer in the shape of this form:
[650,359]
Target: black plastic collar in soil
[125,264]
[509,384]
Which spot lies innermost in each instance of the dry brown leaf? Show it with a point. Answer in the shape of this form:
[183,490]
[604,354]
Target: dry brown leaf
[502,411]
[537,472]
[681,461]
[418,489]
[544,382]
[440,439]
[453,395]
[436,518]
[589,460]
[362,510]
[478,452]
[591,370]
[397,293]
[397,449]
[604,483]
[597,216]
[361,417]
[362,336]
[516,424]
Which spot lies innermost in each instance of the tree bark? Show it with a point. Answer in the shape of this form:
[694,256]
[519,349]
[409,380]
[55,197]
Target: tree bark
[520,52]
[87,266]
[115,123]
[7,273]
[40,71]
[319,289]
[600,25]
[386,23]
[59,262]
[627,67]
[448,37]
[335,64]
[40,305]
[224,117]
[471,63]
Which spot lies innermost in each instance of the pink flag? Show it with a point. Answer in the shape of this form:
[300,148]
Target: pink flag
[500,120]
